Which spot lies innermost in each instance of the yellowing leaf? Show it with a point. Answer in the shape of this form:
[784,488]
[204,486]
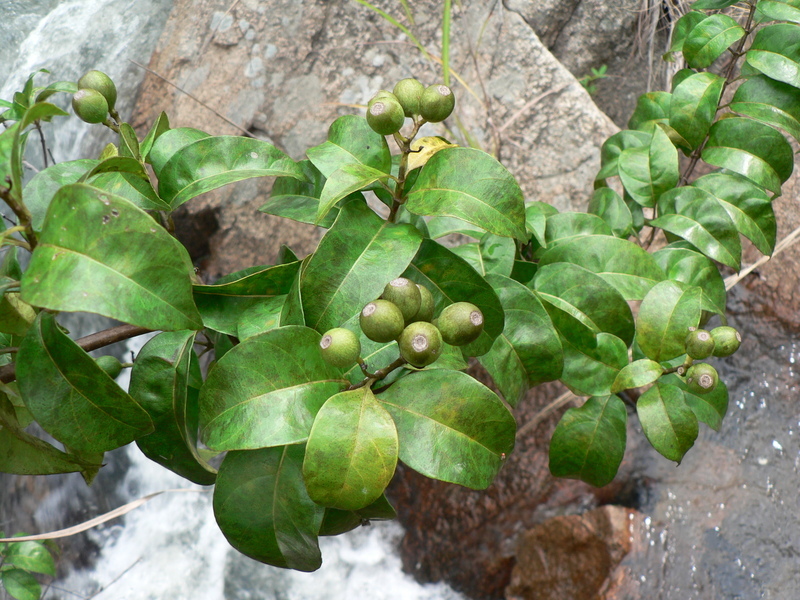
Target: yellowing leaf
[423,148]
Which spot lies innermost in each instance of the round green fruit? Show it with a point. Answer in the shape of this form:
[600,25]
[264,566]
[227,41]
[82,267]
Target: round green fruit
[109,364]
[100,82]
[460,323]
[420,344]
[701,378]
[409,92]
[404,294]
[385,115]
[436,103]
[340,347]
[381,321]
[90,106]
[726,341]
[426,305]
[699,344]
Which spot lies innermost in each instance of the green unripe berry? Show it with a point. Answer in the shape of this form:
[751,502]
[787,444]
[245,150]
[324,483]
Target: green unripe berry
[405,295]
[408,93]
[460,323]
[90,106]
[420,344]
[701,378]
[100,82]
[426,305]
[340,347]
[381,321]
[436,103]
[109,364]
[699,344]
[726,340]
[385,115]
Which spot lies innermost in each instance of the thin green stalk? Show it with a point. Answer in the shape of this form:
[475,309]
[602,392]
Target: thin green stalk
[446,13]
[397,24]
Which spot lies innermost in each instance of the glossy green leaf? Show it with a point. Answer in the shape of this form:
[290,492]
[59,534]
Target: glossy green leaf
[260,317]
[712,4]
[83,263]
[498,254]
[709,39]
[292,311]
[708,408]
[31,556]
[637,374]
[779,10]
[352,451]
[694,105]
[696,216]
[169,143]
[126,177]
[649,171]
[615,145]
[266,391]
[651,108]
[528,352]
[128,142]
[607,204]
[450,279]
[682,28]
[262,507]
[668,423]
[338,521]
[769,101]
[623,264]
[71,397]
[442,226]
[746,204]
[346,180]
[451,427]
[299,199]
[160,127]
[165,381]
[43,186]
[212,162]
[355,259]
[752,149]
[664,319]
[351,141]
[775,52]
[589,441]
[536,214]
[20,584]
[592,371]
[565,226]
[221,305]
[470,185]
[693,268]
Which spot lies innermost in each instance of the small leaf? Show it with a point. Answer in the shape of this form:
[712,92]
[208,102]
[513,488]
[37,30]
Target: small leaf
[346,180]
[351,141]
[637,374]
[20,584]
[775,51]
[589,441]
[682,28]
[31,556]
[592,371]
[693,268]
[536,214]
[708,408]
[651,108]
[160,127]
[607,204]
[615,145]
[498,254]
[668,423]
[664,319]
[709,39]
[423,148]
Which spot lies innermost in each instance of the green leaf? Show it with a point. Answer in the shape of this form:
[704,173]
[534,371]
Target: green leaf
[651,108]
[692,268]
[498,254]
[708,408]
[260,317]
[442,226]
[128,142]
[779,10]
[775,52]
[160,127]
[637,374]
[623,264]
[15,315]
[694,105]
[470,185]
[71,397]
[43,186]
[215,161]
[221,305]
[292,311]
[39,111]
[351,453]
[589,441]
[566,226]
[168,143]
[664,319]
[20,584]
[262,507]
[668,423]
[615,145]
[528,352]
[450,279]
[592,371]
[354,261]
[351,141]
[752,149]
[712,4]
[346,180]
[299,199]
[451,427]
[746,204]
[67,87]
[266,391]
[536,214]
[696,216]
[709,39]
[165,381]
[649,171]
[338,521]
[31,556]
[607,204]
[682,28]
[769,101]
[83,262]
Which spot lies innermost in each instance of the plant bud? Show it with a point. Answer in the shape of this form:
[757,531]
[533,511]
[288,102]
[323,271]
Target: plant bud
[405,295]
[726,341]
[460,323]
[436,103]
[90,106]
[426,305]
[340,347]
[100,82]
[408,93]
[381,321]
[699,344]
[701,378]
[385,115]
[420,344]
[109,364]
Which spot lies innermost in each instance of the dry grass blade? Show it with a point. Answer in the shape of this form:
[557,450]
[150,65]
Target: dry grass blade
[787,242]
[563,399]
[531,104]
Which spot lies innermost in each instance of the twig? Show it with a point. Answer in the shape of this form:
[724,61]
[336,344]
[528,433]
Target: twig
[115,580]
[531,104]
[563,399]
[784,244]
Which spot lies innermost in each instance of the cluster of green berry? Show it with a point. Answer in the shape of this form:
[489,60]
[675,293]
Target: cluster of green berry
[386,112]
[702,378]
[95,97]
[404,312]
